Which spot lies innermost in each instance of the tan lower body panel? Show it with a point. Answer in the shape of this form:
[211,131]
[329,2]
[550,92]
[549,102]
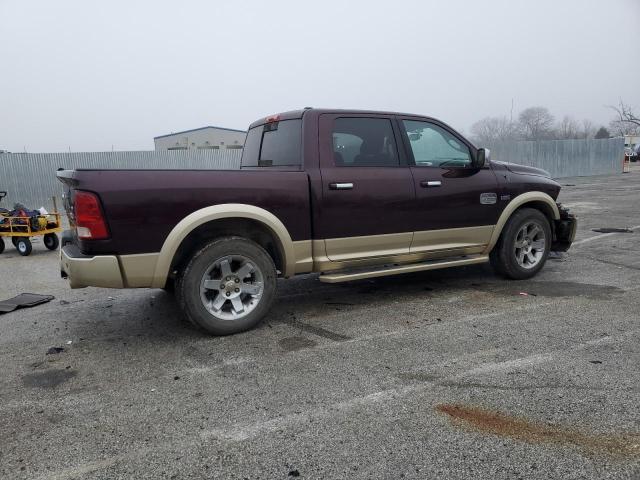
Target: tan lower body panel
[424,246]
[451,238]
[304,256]
[137,270]
[416,267]
[351,248]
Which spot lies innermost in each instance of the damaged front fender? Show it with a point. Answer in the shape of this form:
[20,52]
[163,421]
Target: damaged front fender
[564,231]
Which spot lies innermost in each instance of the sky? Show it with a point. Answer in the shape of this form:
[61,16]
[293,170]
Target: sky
[95,76]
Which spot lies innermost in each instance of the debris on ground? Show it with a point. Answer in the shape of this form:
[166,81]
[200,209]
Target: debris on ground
[55,350]
[596,362]
[294,473]
[24,300]
[612,230]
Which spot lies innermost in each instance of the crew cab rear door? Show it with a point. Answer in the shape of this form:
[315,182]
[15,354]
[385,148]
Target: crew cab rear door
[457,204]
[367,189]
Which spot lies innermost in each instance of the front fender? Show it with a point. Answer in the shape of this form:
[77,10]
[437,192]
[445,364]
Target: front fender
[519,201]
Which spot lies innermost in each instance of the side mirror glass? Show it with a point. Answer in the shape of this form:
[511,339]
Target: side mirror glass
[483,157]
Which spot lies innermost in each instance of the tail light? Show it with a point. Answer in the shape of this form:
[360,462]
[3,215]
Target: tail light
[90,222]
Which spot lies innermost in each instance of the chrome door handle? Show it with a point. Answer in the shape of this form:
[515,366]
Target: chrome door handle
[430,183]
[341,186]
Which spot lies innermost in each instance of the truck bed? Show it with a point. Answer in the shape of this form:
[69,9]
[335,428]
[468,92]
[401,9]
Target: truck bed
[142,206]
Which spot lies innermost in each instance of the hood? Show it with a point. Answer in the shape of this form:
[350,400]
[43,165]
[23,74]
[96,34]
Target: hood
[524,169]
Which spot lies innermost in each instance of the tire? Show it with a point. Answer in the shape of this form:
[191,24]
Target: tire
[51,241]
[212,290]
[14,240]
[522,250]
[1,245]
[24,247]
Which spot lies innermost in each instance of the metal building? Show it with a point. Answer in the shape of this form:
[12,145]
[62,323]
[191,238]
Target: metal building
[204,138]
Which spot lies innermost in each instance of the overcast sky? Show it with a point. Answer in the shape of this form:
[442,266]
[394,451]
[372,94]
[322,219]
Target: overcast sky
[91,75]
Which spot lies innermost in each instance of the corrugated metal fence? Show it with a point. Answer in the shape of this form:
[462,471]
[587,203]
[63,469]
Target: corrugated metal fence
[564,158]
[30,178]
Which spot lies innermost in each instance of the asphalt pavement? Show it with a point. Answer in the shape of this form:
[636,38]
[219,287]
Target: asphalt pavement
[446,374]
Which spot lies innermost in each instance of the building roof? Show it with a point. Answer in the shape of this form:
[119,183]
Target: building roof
[201,128]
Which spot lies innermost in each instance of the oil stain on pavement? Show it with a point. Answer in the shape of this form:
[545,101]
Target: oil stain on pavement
[48,378]
[291,344]
[496,423]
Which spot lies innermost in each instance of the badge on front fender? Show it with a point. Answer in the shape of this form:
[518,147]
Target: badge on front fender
[488,198]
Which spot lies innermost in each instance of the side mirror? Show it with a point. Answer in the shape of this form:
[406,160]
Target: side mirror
[483,157]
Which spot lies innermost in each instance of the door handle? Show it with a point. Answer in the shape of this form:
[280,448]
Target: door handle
[341,186]
[430,183]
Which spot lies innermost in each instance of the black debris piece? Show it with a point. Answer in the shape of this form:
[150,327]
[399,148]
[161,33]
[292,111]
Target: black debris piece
[55,350]
[612,230]
[596,362]
[294,473]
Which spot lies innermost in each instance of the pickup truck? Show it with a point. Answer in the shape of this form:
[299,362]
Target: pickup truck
[343,193]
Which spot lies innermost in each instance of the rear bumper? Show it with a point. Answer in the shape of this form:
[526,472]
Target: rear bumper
[84,271]
[565,230]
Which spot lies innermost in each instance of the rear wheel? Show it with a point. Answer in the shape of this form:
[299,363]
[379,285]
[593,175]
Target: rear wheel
[23,245]
[51,241]
[1,245]
[228,286]
[524,245]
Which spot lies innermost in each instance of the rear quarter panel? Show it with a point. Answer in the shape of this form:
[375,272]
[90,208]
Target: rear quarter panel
[143,206]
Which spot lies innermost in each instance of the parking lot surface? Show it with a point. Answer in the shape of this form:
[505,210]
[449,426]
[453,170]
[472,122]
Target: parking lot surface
[450,374]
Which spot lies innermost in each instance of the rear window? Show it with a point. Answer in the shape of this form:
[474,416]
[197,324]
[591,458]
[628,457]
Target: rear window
[275,144]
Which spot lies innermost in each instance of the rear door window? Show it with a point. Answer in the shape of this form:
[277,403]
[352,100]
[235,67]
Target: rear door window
[274,144]
[364,142]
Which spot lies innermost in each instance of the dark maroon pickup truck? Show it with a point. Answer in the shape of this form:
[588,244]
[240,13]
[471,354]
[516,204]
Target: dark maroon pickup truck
[347,194]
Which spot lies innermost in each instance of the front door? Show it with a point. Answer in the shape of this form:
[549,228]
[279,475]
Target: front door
[367,189]
[457,204]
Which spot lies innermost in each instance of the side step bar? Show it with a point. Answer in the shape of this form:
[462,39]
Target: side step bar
[398,269]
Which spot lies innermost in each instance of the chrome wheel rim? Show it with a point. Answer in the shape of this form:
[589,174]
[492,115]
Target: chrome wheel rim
[530,245]
[231,287]
[22,247]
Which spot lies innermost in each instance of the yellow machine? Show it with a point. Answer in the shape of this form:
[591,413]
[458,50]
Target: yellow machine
[20,229]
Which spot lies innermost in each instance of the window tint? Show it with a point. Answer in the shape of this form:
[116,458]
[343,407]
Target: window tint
[274,144]
[433,146]
[364,142]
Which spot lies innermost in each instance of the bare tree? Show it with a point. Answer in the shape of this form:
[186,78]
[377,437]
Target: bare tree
[536,123]
[588,129]
[493,129]
[567,128]
[626,121]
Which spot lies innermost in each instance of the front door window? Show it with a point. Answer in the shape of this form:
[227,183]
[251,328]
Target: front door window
[433,146]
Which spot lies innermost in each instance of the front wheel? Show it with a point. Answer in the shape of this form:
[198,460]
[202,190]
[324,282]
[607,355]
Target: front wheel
[524,245]
[228,286]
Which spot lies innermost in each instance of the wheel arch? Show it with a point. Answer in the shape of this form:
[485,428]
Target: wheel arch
[539,200]
[224,215]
